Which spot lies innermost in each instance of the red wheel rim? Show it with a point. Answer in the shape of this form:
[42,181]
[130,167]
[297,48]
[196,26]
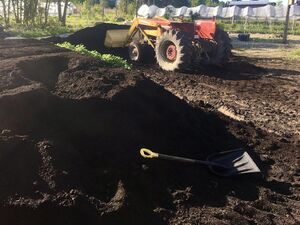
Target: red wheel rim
[171,52]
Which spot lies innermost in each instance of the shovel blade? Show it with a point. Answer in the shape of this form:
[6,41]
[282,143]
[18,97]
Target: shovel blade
[235,162]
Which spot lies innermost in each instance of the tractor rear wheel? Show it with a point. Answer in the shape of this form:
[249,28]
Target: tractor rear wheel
[173,51]
[222,51]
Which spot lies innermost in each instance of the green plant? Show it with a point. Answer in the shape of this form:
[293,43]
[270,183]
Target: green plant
[108,59]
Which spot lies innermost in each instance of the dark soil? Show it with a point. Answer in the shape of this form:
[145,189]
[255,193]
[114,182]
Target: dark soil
[93,38]
[262,91]
[3,34]
[70,134]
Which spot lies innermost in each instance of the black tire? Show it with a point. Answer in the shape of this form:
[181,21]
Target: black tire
[173,51]
[140,53]
[222,52]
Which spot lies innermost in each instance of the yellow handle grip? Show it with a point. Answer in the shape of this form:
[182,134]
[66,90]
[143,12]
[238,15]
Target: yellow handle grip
[146,153]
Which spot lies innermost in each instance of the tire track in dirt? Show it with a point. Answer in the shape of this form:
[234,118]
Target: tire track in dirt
[270,101]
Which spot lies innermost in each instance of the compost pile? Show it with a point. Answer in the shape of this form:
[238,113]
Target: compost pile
[70,133]
[3,34]
[93,38]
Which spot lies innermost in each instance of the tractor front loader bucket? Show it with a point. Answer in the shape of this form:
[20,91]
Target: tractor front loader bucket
[116,38]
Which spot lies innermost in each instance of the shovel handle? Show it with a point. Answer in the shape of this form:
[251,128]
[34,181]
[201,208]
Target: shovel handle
[178,159]
[147,153]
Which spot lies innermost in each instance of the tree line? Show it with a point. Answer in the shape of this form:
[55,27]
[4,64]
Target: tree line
[30,12]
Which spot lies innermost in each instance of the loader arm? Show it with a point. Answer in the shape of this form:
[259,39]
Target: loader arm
[147,28]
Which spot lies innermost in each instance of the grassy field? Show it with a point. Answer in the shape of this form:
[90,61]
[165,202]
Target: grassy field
[283,53]
[260,27]
[40,31]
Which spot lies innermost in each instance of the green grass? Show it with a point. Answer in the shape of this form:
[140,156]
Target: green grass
[111,60]
[36,31]
[295,54]
[80,21]
[259,27]
[273,40]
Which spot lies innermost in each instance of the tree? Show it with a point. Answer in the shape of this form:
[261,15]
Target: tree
[286,24]
[103,5]
[212,2]
[64,16]
[111,3]
[30,11]
[17,6]
[6,11]
[195,3]
[59,10]
[46,11]
[62,12]
[123,6]
[164,3]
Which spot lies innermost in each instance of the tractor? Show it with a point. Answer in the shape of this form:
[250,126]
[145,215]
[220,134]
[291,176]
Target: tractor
[176,45]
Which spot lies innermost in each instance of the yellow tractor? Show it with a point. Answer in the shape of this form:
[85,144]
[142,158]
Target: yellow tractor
[177,45]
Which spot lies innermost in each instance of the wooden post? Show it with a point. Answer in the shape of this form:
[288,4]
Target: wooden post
[293,25]
[103,10]
[287,18]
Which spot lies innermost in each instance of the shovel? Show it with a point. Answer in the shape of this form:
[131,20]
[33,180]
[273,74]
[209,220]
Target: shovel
[229,163]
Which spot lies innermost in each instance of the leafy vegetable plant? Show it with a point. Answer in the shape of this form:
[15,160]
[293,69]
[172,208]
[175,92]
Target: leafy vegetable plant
[108,59]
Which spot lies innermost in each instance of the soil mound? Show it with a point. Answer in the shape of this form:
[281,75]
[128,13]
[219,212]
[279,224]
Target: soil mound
[4,35]
[71,129]
[71,137]
[93,38]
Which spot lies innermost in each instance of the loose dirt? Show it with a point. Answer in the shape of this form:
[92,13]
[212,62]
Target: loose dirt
[71,130]
[264,91]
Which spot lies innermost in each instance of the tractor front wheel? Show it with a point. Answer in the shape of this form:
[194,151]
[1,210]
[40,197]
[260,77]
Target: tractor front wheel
[140,53]
[134,51]
[173,51]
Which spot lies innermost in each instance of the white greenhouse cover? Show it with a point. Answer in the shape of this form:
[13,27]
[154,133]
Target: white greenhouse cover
[263,12]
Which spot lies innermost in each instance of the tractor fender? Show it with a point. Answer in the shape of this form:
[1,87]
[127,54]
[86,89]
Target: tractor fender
[205,29]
